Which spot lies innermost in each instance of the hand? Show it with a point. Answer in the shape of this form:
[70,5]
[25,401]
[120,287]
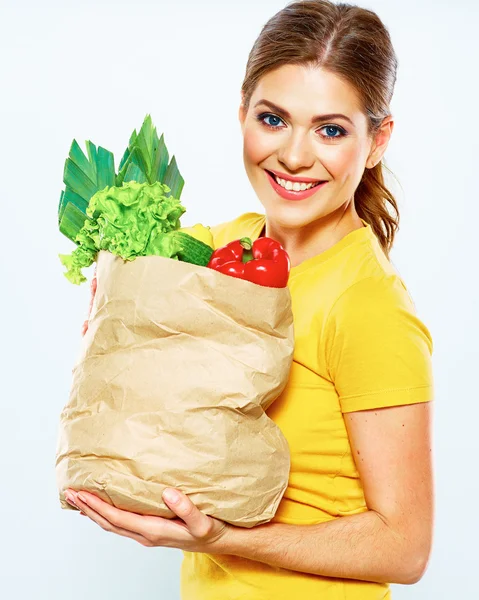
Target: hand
[93,291]
[193,531]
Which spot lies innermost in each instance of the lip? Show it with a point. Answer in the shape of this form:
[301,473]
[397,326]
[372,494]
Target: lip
[292,195]
[291,178]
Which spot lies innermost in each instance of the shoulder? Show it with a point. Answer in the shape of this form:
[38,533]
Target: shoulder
[375,293]
[375,308]
[378,350]
[368,283]
[357,285]
[241,226]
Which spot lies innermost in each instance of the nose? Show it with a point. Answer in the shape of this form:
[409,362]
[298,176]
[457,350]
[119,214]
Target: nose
[296,152]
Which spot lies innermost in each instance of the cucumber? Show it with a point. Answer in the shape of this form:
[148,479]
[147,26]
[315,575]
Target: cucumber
[192,250]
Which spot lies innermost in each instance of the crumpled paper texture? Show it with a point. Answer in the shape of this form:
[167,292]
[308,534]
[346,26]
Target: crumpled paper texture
[170,389]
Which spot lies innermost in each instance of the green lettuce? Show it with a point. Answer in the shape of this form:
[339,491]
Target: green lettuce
[136,219]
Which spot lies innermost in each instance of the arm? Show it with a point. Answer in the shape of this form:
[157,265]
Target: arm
[391,541]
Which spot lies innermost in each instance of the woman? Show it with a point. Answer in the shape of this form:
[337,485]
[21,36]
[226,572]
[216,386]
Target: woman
[358,511]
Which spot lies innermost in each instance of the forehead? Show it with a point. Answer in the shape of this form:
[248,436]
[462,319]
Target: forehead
[304,90]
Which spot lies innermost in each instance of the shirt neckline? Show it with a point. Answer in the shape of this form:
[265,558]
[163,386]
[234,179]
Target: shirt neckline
[352,237]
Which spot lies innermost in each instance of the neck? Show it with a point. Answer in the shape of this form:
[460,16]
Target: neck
[305,242]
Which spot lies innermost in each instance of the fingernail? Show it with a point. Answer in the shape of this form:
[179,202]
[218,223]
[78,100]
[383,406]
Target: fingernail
[171,495]
[70,499]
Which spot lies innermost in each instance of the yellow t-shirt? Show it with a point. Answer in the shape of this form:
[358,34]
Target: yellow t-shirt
[358,345]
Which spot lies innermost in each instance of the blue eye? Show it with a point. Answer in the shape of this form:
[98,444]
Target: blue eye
[333,128]
[268,116]
[330,129]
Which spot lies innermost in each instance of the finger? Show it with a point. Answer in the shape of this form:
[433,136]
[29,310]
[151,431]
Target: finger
[93,292]
[107,525]
[93,288]
[70,500]
[84,328]
[198,524]
[117,517]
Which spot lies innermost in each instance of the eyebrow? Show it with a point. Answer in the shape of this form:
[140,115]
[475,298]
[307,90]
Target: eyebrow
[315,119]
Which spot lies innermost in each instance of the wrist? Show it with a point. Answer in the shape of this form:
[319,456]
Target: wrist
[226,543]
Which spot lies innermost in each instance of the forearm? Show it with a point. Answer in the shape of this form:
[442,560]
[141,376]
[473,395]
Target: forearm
[358,546]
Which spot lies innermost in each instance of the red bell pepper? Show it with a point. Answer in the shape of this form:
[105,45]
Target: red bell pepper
[264,262]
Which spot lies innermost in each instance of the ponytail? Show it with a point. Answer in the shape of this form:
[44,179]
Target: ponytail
[372,199]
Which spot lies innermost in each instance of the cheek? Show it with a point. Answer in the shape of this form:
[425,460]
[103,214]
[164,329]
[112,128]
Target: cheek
[344,162]
[256,146]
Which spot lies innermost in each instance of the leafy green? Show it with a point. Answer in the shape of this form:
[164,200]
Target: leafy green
[146,160]
[72,220]
[83,177]
[136,219]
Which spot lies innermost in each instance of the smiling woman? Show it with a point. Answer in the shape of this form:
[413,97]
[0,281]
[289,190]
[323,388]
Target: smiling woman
[357,514]
[356,412]
[341,147]
[337,61]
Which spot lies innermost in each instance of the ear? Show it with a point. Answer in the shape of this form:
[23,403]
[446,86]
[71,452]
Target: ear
[380,142]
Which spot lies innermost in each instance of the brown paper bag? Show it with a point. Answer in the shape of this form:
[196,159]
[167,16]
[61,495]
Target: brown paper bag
[175,372]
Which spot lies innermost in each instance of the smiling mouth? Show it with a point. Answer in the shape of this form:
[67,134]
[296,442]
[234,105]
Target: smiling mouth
[278,179]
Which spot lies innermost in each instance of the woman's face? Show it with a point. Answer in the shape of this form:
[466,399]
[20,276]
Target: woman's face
[334,149]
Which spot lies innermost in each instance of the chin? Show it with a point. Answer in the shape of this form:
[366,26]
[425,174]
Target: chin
[294,218]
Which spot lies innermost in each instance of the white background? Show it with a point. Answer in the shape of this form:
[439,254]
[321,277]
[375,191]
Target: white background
[93,70]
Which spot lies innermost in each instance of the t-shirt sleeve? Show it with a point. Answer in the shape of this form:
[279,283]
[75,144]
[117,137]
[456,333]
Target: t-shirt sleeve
[378,351]
[217,231]
[226,232]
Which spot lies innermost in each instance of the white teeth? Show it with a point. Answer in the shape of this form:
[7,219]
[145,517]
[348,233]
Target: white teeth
[296,186]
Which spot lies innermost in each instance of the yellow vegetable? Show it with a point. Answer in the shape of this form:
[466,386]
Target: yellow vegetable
[201,233]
